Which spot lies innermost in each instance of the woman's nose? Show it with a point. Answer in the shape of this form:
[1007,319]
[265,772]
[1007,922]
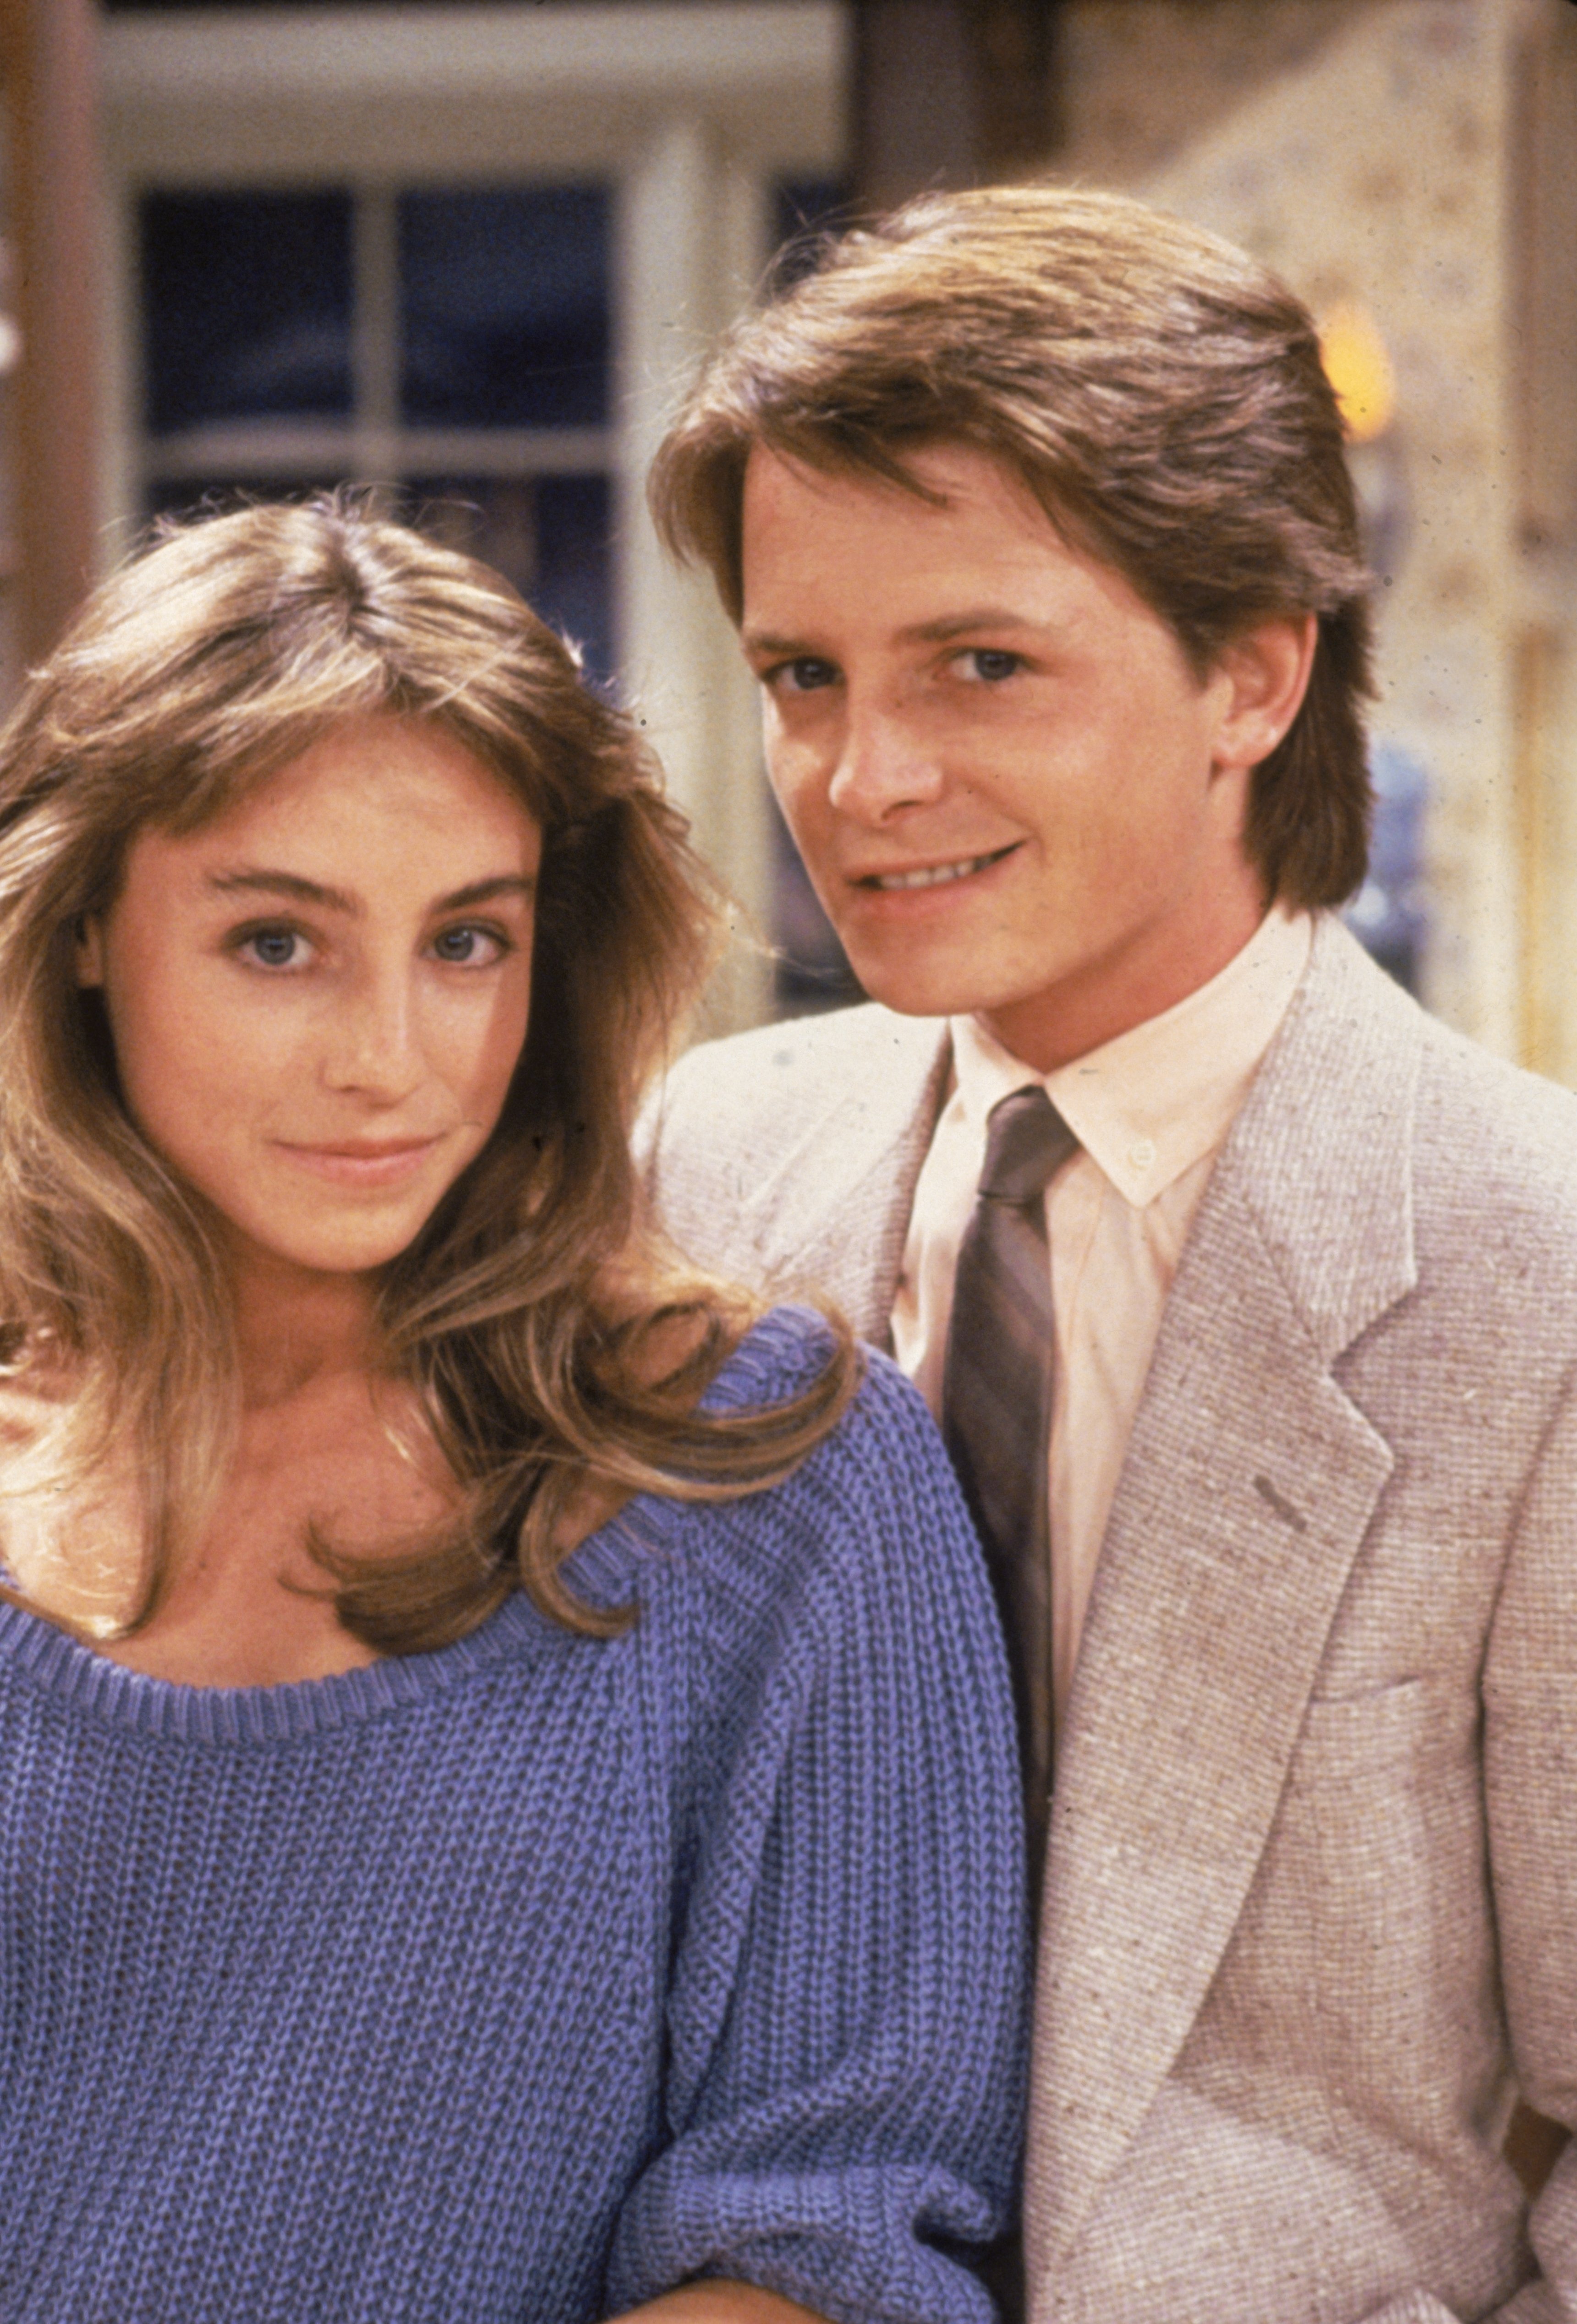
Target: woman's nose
[374,1049]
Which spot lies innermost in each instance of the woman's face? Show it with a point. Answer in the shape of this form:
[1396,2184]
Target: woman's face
[317,1000]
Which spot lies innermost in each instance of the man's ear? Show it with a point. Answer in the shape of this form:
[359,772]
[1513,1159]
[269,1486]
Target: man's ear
[90,956]
[1268,669]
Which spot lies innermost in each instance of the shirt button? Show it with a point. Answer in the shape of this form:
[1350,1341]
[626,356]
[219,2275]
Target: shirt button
[1142,1153]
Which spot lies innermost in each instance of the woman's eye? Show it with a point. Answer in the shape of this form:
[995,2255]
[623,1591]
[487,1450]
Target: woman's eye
[990,664]
[469,948]
[274,947]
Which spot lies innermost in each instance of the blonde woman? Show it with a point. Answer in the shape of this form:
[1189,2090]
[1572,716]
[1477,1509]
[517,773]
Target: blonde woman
[509,1808]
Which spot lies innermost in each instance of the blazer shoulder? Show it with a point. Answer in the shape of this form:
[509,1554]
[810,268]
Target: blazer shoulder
[774,1066]
[1491,1151]
[787,1157]
[1365,1059]
[1380,1151]
[755,1094]
[1494,1140]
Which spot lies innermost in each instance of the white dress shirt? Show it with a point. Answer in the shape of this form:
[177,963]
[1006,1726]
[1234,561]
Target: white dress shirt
[1150,1110]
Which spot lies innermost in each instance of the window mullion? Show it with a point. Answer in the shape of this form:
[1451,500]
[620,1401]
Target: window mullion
[376,334]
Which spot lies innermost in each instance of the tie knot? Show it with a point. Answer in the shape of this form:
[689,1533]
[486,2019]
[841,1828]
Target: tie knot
[1026,1139]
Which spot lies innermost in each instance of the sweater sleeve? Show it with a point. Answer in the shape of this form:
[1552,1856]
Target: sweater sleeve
[844,2088]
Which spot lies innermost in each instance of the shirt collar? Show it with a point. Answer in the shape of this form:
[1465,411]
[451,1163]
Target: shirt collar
[1148,1106]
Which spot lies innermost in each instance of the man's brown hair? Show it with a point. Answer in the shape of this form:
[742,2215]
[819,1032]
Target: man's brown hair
[1160,394]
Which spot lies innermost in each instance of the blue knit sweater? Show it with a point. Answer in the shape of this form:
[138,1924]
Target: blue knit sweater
[517,1982]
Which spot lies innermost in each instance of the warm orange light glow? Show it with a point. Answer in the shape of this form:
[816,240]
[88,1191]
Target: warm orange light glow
[1359,370]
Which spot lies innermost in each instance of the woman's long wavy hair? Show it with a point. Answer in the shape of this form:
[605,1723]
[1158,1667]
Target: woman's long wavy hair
[527,1313]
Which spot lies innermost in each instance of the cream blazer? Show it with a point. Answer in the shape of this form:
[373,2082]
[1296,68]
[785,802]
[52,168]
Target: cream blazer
[1310,1918]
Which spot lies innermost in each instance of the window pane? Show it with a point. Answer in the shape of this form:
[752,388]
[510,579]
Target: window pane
[504,306]
[549,535]
[246,306]
[188,499]
[806,213]
[574,586]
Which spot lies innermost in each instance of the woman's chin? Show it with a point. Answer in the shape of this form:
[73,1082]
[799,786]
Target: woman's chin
[316,1222]
[348,1249]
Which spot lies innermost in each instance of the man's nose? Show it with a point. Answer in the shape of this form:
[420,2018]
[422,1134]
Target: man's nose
[374,1048]
[884,764]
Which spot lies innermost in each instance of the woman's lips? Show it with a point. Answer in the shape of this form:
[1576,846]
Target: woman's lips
[361,1162]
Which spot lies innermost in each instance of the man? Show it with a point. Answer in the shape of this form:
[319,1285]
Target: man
[1032,510]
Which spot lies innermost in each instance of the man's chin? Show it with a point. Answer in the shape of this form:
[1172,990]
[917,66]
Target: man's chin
[917,989]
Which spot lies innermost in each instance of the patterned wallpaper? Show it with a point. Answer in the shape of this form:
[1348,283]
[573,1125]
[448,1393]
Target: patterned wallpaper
[1365,149]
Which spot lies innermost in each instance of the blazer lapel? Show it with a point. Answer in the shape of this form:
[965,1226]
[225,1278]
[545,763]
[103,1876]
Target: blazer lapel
[1249,1481]
[832,1214]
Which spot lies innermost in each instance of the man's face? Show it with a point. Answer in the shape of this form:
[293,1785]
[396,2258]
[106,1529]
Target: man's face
[1013,795]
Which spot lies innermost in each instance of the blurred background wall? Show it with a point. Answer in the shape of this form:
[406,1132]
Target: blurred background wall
[468,252]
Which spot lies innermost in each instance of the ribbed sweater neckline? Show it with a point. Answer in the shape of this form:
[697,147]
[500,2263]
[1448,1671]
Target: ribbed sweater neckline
[89,1684]
[93,1686]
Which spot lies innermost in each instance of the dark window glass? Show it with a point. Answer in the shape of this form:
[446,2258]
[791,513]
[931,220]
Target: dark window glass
[504,306]
[806,213]
[189,498]
[548,534]
[246,300]
[574,585]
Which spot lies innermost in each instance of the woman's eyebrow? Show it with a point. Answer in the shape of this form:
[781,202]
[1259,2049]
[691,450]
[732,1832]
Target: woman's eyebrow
[481,891]
[312,892]
[283,883]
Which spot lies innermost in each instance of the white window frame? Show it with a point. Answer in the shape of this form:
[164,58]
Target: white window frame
[689,112]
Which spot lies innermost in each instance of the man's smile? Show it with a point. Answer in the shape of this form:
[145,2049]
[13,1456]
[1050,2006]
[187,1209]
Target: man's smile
[933,875]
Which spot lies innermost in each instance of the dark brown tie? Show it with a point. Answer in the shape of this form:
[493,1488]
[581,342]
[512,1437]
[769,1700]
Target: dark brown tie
[996,1408]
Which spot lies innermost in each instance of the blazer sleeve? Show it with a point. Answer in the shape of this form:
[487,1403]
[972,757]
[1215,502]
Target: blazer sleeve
[1530,1755]
[845,2090]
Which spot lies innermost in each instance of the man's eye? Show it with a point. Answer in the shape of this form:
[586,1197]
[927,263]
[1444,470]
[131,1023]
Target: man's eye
[804,675]
[470,947]
[273,947]
[990,664]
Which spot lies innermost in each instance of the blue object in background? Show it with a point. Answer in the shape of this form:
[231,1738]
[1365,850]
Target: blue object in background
[1387,915]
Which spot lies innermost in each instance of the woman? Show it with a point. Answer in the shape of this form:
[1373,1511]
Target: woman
[509,1809]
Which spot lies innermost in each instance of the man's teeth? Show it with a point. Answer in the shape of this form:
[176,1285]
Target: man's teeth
[935,876]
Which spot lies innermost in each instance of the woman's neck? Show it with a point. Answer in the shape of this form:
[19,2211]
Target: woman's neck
[294,1328]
